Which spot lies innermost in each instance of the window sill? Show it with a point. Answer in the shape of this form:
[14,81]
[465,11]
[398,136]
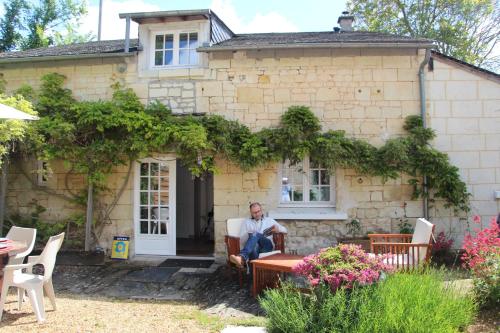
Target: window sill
[307,213]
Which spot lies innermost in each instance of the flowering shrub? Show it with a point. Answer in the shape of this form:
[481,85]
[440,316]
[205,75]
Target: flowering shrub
[341,266]
[442,244]
[441,249]
[482,256]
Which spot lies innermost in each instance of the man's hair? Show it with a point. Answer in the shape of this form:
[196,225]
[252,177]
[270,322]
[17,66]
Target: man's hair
[253,204]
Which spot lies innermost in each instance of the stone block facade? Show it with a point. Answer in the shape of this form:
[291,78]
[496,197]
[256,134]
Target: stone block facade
[365,92]
[57,197]
[464,110]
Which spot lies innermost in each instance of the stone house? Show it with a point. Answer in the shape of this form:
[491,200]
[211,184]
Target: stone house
[361,82]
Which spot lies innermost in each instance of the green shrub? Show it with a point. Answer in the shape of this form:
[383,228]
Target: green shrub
[421,302]
[287,309]
[404,302]
[73,227]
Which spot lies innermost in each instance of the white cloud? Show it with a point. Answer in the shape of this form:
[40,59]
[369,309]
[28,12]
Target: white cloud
[112,26]
[270,22]
[267,22]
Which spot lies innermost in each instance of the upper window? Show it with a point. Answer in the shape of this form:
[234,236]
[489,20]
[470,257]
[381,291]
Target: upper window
[307,183]
[176,49]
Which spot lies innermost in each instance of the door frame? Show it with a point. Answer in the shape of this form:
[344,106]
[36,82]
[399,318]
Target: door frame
[171,247]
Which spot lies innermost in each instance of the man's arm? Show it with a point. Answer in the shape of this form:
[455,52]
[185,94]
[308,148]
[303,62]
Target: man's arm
[278,227]
[244,229]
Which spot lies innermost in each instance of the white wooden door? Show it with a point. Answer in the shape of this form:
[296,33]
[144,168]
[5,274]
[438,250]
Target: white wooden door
[154,207]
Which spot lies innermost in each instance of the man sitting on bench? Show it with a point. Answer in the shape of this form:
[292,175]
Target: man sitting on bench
[260,230]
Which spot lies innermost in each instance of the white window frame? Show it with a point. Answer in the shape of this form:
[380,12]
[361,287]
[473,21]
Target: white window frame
[176,48]
[43,170]
[306,173]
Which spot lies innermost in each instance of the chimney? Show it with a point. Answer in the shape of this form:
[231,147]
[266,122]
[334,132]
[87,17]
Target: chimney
[345,21]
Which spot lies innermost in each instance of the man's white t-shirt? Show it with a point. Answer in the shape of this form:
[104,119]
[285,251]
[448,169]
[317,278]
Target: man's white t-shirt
[252,226]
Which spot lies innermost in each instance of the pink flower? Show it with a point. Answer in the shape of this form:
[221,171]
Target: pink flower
[341,267]
[478,249]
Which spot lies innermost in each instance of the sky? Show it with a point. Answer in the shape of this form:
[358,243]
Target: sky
[240,15]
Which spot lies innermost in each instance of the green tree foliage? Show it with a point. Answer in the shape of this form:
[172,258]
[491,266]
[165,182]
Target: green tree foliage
[32,24]
[11,25]
[14,132]
[70,35]
[465,29]
[92,136]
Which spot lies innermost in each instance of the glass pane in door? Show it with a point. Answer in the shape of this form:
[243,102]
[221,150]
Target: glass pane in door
[154,198]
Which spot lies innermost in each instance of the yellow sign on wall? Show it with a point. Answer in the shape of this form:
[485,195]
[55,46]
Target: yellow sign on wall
[119,249]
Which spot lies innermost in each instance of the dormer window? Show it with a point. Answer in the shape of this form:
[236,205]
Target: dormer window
[176,49]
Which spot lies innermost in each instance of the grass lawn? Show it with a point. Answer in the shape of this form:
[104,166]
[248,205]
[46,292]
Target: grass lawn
[81,314]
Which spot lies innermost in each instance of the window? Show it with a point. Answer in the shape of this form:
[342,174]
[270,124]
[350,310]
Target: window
[176,49]
[43,173]
[306,183]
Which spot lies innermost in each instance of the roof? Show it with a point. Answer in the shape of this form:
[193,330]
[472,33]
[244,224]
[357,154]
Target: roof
[105,48]
[165,16]
[317,39]
[175,16]
[456,61]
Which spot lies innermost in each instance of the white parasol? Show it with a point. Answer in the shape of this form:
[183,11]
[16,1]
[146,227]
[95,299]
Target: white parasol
[8,112]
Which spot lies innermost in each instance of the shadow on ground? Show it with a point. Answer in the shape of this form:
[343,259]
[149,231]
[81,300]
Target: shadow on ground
[213,289]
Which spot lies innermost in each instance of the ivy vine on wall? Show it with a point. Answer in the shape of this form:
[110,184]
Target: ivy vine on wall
[95,136]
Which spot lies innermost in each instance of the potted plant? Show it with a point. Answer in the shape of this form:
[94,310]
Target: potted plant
[356,235]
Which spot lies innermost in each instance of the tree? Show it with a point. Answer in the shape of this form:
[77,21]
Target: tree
[468,30]
[10,25]
[71,35]
[29,24]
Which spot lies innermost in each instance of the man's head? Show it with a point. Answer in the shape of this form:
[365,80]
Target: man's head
[256,210]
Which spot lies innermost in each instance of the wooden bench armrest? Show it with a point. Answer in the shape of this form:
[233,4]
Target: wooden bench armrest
[279,241]
[389,236]
[401,244]
[232,245]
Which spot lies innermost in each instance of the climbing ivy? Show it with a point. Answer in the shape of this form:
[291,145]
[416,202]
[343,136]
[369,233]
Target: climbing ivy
[98,135]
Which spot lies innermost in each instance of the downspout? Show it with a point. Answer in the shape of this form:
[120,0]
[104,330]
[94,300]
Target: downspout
[127,34]
[423,112]
[210,16]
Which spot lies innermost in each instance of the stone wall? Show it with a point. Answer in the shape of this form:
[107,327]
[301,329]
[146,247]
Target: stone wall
[89,79]
[57,197]
[464,110]
[177,95]
[366,93]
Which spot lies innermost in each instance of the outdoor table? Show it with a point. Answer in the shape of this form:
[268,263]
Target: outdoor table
[266,271]
[11,246]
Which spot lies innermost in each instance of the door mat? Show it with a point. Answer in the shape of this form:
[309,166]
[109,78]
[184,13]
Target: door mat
[186,263]
[151,274]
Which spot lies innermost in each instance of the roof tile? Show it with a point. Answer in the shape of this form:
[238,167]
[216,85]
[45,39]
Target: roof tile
[89,48]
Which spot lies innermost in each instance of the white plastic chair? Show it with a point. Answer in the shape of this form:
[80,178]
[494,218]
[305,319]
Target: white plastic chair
[34,284]
[23,235]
